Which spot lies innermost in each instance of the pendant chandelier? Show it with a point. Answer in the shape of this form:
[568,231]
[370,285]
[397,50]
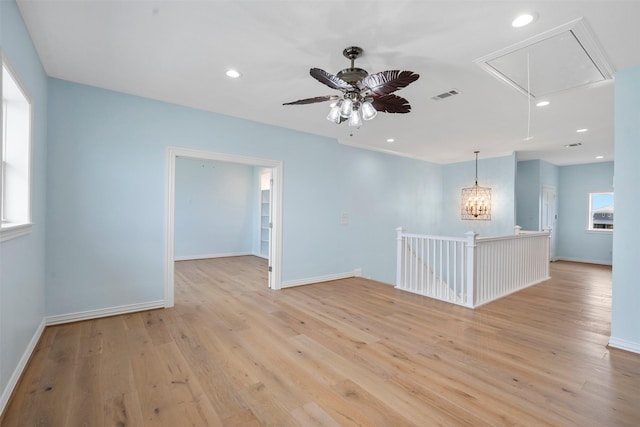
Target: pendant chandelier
[476,201]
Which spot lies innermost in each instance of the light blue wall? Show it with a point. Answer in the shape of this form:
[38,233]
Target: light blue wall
[549,174]
[215,207]
[22,260]
[625,321]
[574,241]
[531,177]
[550,177]
[379,193]
[106,205]
[498,173]
[528,195]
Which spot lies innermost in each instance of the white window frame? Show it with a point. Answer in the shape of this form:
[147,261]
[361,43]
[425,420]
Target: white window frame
[589,226]
[18,221]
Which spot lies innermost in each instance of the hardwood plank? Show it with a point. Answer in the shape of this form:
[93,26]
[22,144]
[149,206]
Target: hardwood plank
[86,405]
[116,373]
[122,410]
[313,415]
[30,383]
[351,352]
[51,405]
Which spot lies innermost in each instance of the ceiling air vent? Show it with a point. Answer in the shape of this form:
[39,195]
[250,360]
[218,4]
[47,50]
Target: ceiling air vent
[446,94]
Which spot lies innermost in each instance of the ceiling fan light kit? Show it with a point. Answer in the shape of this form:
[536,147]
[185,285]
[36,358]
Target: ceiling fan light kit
[368,112]
[363,94]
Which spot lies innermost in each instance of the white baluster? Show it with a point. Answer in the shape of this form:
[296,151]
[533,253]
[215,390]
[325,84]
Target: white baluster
[471,264]
[400,244]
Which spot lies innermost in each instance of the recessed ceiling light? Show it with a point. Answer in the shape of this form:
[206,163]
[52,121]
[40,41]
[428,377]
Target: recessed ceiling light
[234,74]
[390,140]
[522,20]
[582,130]
[599,157]
[542,104]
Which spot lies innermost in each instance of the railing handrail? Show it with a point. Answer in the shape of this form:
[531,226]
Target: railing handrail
[523,235]
[433,237]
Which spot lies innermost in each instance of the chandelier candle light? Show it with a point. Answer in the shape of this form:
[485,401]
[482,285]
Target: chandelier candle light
[476,200]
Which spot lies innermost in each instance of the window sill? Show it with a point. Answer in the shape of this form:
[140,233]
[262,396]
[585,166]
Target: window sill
[11,231]
[604,230]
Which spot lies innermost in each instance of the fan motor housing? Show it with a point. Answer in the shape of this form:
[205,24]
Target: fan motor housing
[352,75]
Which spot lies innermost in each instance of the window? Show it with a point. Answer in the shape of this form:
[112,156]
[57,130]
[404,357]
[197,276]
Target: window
[600,212]
[15,157]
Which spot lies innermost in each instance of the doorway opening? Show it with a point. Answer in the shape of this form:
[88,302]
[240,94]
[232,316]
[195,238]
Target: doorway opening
[271,236]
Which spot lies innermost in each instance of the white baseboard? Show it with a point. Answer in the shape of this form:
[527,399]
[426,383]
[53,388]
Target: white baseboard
[631,346]
[207,256]
[307,281]
[259,255]
[22,363]
[102,312]
[585,261]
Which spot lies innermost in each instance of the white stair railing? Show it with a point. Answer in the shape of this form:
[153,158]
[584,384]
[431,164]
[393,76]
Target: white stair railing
[471,271]
[433,266]
[507,264]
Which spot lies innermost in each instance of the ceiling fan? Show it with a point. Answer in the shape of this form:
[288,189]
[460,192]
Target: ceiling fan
[361,92]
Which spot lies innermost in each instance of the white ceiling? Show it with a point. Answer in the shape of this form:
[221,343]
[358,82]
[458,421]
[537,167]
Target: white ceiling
[178,52]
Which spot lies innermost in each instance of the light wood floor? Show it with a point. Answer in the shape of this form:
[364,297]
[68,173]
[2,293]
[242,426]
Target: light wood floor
[345,353]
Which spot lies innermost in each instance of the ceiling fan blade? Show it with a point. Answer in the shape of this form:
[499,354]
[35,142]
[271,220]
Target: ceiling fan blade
[330,80]
[391,104]
[386,82]
[313,100]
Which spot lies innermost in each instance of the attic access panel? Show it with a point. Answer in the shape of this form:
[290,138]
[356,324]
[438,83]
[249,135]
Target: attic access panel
[564,58]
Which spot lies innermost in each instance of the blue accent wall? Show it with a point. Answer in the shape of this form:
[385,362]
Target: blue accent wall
[575,242]
[625,320]
[215,208]
[22,260]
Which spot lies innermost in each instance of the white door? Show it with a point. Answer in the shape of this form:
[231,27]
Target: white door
[549,217]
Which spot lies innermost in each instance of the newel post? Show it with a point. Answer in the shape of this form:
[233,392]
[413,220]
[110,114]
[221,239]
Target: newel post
[400,244]
[471,266]
[547,230]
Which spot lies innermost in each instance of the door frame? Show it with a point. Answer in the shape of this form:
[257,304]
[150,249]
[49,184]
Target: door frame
[275,253]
